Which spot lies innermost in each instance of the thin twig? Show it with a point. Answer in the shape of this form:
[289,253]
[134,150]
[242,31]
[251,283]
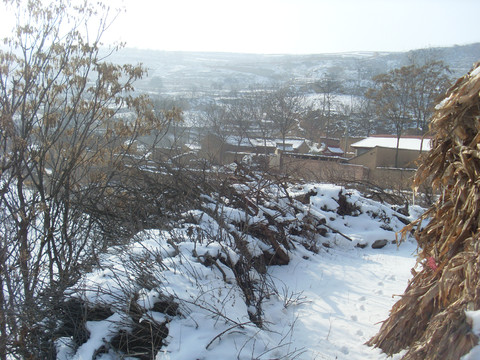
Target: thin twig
[225,331]
[337,232]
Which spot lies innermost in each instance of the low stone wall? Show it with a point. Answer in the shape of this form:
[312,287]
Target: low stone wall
[397,179]
[322,170]
[337,172]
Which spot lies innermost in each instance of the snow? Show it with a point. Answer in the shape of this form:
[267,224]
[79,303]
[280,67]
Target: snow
[335,150]
[343,295]
[391,142]
[474,317]
[444,102]
[249,142]
[290,143]
[475,72]
[330,306]
[325,305]
[259,142]
[100,331]
[314,147]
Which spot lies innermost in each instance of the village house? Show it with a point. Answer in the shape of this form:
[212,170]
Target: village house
[390,165]
[381,151]
[377,158]
[226,150]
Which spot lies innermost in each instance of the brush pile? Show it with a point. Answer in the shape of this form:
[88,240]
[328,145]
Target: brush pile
[429,320]
[203,285]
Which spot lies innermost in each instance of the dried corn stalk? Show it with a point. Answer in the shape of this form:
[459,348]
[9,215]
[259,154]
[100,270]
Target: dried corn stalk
[429,320]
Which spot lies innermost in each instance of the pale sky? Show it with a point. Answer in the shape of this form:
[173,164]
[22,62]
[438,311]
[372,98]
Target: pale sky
[295,26]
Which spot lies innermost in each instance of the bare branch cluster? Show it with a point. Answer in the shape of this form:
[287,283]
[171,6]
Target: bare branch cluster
[69,122]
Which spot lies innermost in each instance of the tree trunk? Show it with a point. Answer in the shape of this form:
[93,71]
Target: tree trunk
[396,151]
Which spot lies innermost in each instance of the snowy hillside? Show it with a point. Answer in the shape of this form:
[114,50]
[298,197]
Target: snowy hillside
[187,72]
[260,271]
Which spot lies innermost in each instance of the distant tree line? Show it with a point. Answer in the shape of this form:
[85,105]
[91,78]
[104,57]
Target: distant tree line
[397,102]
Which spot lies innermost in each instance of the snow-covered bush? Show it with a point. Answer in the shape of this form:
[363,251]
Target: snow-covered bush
[206,277]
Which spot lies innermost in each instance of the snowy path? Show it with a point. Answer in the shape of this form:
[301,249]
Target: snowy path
[343,296]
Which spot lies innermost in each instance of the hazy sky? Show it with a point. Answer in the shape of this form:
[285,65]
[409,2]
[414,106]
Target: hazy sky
[297,26]
[294,26]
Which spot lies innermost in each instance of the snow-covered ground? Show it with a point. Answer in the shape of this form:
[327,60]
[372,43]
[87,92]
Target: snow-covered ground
[328,306]
[344,294]
[322,305]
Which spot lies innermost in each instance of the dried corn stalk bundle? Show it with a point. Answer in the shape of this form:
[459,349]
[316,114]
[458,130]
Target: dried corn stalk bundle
[429,320]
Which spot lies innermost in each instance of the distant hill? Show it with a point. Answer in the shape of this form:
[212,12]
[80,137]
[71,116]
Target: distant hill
[180,72]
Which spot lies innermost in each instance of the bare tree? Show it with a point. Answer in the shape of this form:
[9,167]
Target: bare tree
[69,121]
[312,123]
[249,113]
[215,118]
[284,108]
[391,95]
[364,113]
[428,81]
[328,86]
[405,96]
[173,132]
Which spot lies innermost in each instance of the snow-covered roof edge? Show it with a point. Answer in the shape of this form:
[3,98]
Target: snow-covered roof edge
[406,143]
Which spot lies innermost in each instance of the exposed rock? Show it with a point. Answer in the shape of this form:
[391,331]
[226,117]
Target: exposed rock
[378,244]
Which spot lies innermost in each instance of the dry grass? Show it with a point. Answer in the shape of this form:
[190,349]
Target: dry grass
[429,320]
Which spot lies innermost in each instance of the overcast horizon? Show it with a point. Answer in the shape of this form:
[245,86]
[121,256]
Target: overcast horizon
[299,54]
[290,26]
[295,26]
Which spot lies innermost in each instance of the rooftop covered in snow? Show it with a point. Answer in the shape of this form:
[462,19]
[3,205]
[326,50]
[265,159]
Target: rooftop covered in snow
[407,143]
[252,141]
